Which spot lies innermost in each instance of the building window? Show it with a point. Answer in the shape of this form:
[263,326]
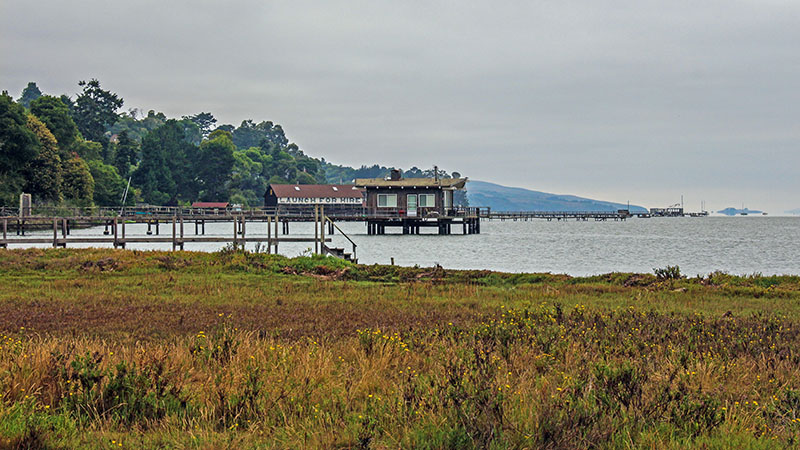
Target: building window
[427,200]
[387,200]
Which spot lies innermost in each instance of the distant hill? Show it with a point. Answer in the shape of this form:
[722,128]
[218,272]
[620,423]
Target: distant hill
[735,212]
[793,211]
[503,198]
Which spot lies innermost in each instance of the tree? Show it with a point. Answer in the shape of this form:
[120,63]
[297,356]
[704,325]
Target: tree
[108,185]
[275,179]
[55,114]
[78,184]
[137,127]
[281,164]
[247,180]
[29,94]
[65,99]
[17,141]
[251,134]
[305,178]
[18,146]
[204,121]
[191,132]
[88,150]
[95,109]
[213,167]
[414,172]
[165,175]
[43,173]
[126,154]
[307,165]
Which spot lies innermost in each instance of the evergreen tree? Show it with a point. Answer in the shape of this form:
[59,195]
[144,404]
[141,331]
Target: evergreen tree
[88,150]
[43,173]
[137,128]
[55,114]
[65,99]
[126,154]
[78,184]
[108,185]
[29,94]
[18,146]
[95,109]
[213,166]
[165,174]
[305,178]
[251,134]
[247,179]
[204,122]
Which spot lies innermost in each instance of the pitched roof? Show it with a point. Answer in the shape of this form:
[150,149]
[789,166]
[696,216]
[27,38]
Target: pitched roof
[210,205]
[316,190]
[457,183]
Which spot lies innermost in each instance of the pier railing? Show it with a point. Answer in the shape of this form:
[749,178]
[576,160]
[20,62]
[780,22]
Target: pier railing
[115,231]
[289,212]
[558,215]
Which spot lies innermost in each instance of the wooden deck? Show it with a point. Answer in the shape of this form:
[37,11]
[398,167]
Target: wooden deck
[114,220]
[115,231]
[291,213]
[276,221]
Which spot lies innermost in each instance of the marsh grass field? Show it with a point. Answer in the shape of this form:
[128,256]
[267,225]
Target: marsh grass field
[128,349]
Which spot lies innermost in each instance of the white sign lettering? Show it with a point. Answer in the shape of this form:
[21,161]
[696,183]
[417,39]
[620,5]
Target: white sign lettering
[319,201]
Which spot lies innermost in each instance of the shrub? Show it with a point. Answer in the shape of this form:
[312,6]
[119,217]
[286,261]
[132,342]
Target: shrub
[668,273]
[126,395]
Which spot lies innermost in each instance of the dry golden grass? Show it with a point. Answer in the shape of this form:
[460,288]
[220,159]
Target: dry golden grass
[227,350]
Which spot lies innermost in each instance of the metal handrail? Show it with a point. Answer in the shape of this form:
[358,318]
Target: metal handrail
[345,235]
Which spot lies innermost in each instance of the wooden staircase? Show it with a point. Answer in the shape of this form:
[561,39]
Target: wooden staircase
[339,252]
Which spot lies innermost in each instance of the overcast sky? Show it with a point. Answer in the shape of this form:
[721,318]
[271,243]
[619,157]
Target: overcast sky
[617,100]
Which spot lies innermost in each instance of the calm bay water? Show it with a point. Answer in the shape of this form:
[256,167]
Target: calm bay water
[738,245]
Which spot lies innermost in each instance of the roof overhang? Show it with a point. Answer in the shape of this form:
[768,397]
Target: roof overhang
[418,183]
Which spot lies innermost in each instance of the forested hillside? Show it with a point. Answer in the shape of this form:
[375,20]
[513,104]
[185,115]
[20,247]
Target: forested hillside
[82,151]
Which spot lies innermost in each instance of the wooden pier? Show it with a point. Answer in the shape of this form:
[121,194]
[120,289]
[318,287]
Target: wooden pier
[599,216]
[445,225]
[114,232]
[377,220]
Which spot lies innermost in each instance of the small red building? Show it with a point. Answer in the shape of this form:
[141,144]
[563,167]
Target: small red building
[219,205]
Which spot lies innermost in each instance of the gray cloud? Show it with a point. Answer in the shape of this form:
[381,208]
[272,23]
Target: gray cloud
[637,100]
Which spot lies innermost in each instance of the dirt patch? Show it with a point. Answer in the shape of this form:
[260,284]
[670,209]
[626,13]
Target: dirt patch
[101,265]
[639,280]
[171,262]
[327,274]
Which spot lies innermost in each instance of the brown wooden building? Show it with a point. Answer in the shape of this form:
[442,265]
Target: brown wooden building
[340,198]
[408,203]
[410,197]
